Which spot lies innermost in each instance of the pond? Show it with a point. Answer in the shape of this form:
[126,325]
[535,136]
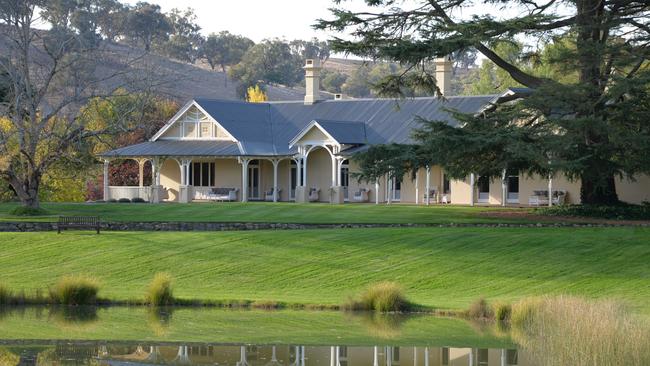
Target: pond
[140,336]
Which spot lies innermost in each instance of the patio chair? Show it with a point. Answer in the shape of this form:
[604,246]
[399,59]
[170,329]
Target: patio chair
[445,199]
[268,195]
[314,194]
[432,196]
[361,195]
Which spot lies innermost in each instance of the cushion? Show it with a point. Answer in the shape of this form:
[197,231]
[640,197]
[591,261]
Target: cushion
[221,191]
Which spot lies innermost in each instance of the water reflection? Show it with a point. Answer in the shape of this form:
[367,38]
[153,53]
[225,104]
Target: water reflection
[255,355]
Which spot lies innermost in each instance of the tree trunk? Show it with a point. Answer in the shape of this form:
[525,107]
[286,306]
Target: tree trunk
[27,189]
[598,188]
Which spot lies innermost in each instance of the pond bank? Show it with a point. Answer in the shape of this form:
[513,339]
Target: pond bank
[36,226]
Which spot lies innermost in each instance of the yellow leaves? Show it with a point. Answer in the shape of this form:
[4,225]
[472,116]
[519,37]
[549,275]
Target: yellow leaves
[254,94]
[6,125]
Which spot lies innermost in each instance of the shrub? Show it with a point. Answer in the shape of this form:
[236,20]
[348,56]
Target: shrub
[502,311]
[160,291]
[112,200]
[622,211]
[124,200]
[5,295]
[138,200]
[75,290]
[382,296]
[28,211]
[523,311]
[480,309]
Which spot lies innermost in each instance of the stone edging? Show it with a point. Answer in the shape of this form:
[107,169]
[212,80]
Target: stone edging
[8,226]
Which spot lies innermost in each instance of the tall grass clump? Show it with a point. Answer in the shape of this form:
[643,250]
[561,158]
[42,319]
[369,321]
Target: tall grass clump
[160,291]
[502,311]
[573,331]
[383,297]
[480,310]
[75,290]
[5,295]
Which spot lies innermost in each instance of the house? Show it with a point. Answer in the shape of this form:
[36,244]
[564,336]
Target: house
[303,151]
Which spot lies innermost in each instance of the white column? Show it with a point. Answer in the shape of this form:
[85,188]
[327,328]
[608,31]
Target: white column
[417,186]
[428,185]
[389,190]
[332,356]
[304,171]
[415,356]
[426,356]
[334,165]
[550,191]
[375,359]
[275,179]
[298,170]
[503,357]
[141,172]
[504,188]
[106,192]
[472,179]
[376,192]
[244,178]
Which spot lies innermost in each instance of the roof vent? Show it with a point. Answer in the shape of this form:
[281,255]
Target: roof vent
[338,96]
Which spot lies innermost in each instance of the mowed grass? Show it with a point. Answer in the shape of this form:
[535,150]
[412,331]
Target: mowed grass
[438,267]
[283,212]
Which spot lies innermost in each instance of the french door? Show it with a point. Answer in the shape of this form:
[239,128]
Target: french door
[254,180]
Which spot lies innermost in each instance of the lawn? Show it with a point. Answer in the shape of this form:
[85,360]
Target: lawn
[438,267]
[284,212]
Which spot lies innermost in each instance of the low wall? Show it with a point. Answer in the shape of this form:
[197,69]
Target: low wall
[242,226]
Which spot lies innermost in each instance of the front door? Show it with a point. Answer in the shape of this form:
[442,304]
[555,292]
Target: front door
[483,189]
[345,179]
[513,188]
[254,180]
[397,190]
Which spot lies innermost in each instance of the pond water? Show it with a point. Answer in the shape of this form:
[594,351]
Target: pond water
[142,336]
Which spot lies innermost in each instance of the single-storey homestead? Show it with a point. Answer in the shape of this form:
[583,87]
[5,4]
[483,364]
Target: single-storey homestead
[303,151]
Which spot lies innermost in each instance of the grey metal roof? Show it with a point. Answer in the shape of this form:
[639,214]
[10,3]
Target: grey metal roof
[177,148]
[265,129]
[345,132]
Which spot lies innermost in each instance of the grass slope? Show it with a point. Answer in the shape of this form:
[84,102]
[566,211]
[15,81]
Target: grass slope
[446,268]
[262,212]
[247,326]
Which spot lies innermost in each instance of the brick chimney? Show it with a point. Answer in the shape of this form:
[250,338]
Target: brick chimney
[312,81]
[443,75]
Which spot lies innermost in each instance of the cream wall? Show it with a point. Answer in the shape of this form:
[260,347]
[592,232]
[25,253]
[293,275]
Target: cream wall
[319,172]
[637,191]
[170,179]
[536,183]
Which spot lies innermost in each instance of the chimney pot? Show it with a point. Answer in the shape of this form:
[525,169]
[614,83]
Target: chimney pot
[338,96]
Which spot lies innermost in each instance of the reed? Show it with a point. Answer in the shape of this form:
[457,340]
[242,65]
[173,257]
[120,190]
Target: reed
[160,291]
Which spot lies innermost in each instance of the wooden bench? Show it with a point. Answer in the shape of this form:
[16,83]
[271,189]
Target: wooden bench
[78,222]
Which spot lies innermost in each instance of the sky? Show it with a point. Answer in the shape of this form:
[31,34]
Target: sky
[259,19]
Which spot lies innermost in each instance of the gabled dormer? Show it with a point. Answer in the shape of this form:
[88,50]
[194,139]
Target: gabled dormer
[193,123]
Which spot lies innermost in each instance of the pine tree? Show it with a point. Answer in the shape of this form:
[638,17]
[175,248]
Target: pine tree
[588,114]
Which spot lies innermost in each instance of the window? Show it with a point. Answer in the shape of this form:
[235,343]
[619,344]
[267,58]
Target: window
[206,129]
[482,356]
[446,186]
[345,179]
[202,174]
[445,356]
[483,185]
[512,357]
[190,129]
[513,186]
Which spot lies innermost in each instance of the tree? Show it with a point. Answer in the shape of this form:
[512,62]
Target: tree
[332,81]
[312,49]
[255,94]
[575,127]
[146,24]
[357,84]
[225,49]
[270,61]
[185,40]
[50,74]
